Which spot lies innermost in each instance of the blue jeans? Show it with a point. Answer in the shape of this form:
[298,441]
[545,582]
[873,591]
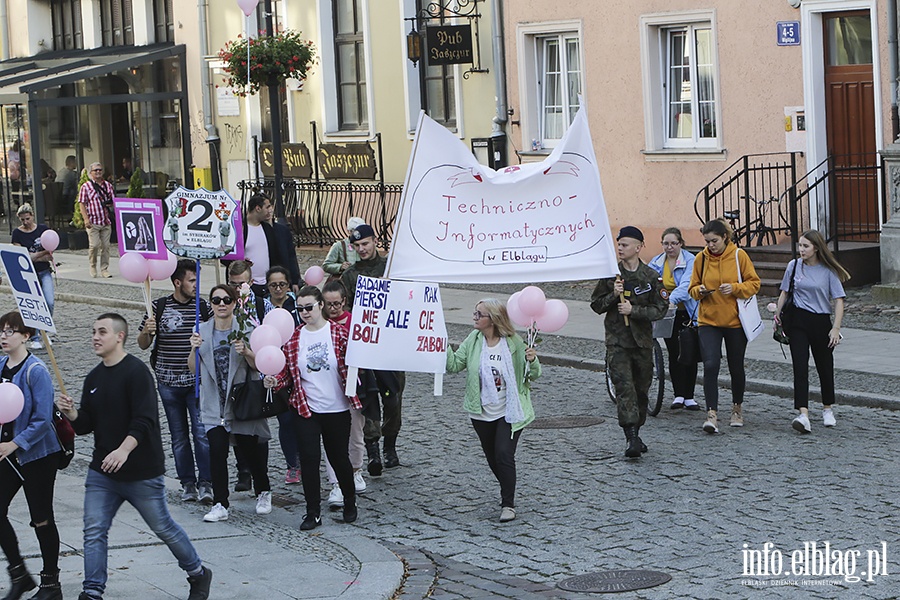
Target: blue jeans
[287,436]
[181,405]
[46,280]
[102,498]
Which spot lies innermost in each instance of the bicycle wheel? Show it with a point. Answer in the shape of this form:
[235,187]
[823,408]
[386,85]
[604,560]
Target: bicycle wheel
[658,385]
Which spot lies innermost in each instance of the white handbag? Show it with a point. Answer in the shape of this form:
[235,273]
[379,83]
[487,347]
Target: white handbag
[748,309]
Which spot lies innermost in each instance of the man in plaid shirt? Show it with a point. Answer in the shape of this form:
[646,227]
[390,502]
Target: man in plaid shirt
[95,195]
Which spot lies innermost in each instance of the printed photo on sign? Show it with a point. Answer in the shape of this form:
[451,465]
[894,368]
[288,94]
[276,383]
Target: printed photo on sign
[200,223]
[140,225]
[26,287]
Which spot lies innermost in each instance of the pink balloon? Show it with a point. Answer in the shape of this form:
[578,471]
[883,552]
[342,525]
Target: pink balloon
[11,402]
[555,315]
[283,323]
[314,275]
[163,269]
[270,360]
[247,6]
[515,311]
[532,301]
[264,335]
[134,267]
[49,240]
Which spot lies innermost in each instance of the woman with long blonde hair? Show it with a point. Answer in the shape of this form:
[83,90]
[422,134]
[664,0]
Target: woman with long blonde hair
[817,282]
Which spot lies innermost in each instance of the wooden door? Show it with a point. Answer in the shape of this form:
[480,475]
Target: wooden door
[850,123]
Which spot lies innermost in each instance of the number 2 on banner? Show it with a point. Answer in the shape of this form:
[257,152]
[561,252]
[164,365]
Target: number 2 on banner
[197,224]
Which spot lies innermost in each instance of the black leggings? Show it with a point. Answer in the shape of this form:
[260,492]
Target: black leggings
[809,331]
[711,351]
[219,446]
[334,431]
[684,377]
[40,478]
[499,445]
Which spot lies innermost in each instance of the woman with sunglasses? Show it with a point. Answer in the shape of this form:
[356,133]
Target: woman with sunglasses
[675,265]
[278,284]
[225,360]
[498,391]
[316,371]
[29,456]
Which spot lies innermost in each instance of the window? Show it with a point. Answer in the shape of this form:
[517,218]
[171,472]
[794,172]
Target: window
[559,84]
[66,17]
[350,65]
[163,20]
[440,91]
[681,99]
[116,23]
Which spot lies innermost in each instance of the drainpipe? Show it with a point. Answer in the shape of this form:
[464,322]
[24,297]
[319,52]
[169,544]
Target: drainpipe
[4,24]
[499,52]
[212,134]
[895,69]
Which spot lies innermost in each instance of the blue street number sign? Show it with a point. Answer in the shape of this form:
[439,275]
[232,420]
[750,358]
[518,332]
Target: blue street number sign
[788,33]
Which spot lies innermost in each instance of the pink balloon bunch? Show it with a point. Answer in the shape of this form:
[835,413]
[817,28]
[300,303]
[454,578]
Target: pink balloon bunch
[134,267]
[49,240]
[314,275]
[162,269]
[11,402]
[267,339]
[529,308]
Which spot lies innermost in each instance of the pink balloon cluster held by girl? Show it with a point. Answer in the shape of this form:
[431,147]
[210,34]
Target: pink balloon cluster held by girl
[529,308]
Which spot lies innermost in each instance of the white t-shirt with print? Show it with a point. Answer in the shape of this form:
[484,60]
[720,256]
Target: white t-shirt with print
[319,376]
[492,412]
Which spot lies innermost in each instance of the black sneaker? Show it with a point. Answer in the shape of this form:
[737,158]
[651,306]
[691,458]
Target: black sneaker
[310,522]
[200,584]
[350,514]
[86,596]
[244,482]
[375,467]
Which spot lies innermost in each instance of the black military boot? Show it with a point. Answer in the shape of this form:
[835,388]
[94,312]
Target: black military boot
[640,441]
[634,442]
[50,588]
[375,466]
[391,459]
[22,582]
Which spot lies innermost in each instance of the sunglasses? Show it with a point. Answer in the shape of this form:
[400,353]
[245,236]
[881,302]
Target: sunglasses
[217,300]
[307,308]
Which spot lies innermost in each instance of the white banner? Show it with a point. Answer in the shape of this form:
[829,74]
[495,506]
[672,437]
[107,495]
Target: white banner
[462,222]
[26,286]
[397,326]
[201,223]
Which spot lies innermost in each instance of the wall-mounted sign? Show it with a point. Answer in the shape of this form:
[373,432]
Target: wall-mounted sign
[347,161]
[788,33]
[449,44]
[296,162]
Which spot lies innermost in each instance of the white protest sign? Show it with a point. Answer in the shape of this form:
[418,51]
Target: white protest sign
[397,326]
[26,287]
[462,222]
[200,223]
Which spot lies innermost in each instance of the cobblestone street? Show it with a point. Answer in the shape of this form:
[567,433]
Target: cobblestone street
[688,508]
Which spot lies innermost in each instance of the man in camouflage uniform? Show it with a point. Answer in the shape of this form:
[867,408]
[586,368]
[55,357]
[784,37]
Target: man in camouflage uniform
[629,347]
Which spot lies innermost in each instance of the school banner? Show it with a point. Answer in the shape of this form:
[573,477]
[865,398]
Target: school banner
[463,222]
[26,287]
[397,326]
[139,222]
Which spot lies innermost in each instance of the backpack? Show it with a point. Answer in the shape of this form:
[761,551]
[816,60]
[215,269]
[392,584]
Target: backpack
[65,434]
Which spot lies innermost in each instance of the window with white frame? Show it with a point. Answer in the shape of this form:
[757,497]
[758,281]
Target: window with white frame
[681,98]
[350,65]
[559,83]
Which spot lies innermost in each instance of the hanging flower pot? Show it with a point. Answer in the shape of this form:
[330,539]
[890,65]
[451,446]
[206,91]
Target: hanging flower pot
[269,59]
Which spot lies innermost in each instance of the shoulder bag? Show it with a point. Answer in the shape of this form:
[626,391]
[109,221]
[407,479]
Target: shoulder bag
[65,433]
[748,309]
[787,309]
[250,400]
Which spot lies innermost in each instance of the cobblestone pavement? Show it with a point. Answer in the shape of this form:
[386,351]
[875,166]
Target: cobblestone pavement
[687,508]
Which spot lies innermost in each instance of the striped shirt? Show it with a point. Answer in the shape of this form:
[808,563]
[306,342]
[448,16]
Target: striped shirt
[93,201]
[173,340]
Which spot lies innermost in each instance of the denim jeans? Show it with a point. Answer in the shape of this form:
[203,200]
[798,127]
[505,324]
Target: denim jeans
[102,498]
[181,405]
[287,436]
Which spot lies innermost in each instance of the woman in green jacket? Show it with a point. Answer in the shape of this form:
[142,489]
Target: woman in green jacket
[496,357]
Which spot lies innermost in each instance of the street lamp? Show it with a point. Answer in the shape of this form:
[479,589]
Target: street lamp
[413,45]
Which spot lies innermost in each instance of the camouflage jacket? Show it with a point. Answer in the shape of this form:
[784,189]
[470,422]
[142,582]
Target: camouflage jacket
[642,289]
[374,267]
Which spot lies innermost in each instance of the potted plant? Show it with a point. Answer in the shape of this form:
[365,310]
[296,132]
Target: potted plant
[78,238]
[251,63]
[136,185]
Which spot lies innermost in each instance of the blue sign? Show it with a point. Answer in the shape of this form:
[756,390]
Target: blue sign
[788,33]
[26,286]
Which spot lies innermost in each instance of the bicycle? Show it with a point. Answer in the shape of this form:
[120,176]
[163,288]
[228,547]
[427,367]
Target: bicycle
[763,233]
[654,404]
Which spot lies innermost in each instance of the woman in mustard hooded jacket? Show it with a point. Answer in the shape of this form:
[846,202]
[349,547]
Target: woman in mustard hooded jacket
[715,284]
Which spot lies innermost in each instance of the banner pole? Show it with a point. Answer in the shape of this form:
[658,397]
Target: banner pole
[46,339]
[196,330]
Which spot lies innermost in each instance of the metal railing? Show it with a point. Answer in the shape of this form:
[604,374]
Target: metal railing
[318,211]
[748,193]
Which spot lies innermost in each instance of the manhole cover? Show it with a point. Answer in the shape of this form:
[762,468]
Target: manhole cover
[565,422]
[614,581]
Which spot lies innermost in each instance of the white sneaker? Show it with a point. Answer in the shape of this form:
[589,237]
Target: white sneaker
[336,497]
[801,424]
[216,513]
[264,503]
[828,417]
[358,482]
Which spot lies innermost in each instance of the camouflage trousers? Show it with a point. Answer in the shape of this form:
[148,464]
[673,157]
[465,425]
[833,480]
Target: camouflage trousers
[388,419]
[631,372]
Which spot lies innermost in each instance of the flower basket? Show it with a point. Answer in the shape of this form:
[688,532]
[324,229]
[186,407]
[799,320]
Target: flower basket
[272,59]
